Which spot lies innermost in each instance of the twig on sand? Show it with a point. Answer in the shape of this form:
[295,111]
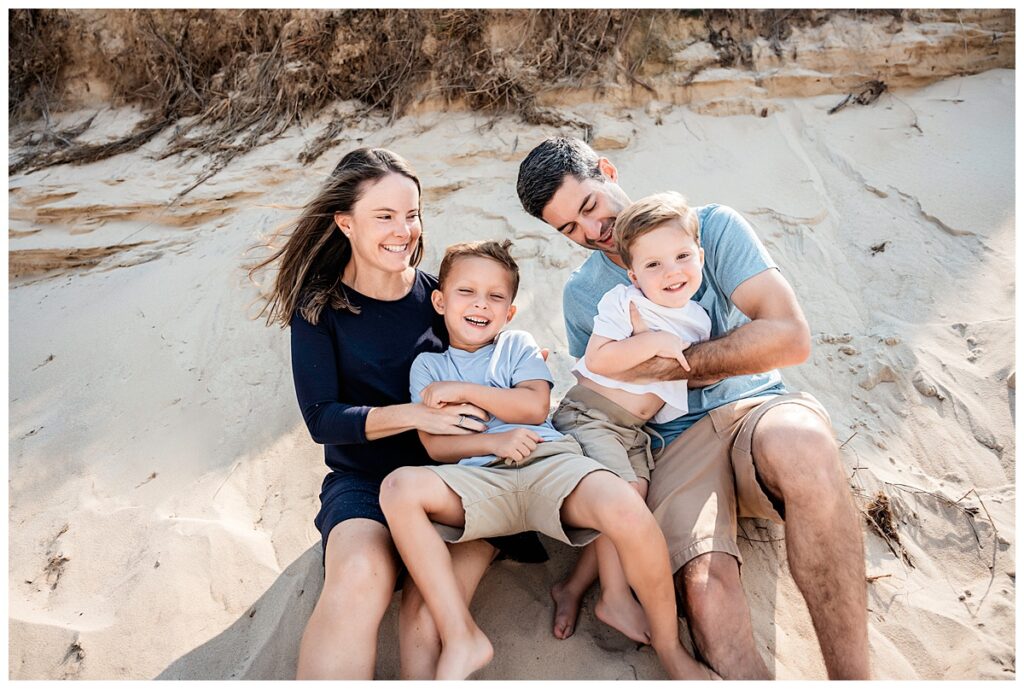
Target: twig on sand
[970,512]
[885,525]
[867,95]
[879,515]
[237,464]
[913,112]
[995,530]
[747,538]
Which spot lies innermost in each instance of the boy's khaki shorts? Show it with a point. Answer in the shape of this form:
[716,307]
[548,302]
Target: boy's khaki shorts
[606,432]
[705,478]
[500,500]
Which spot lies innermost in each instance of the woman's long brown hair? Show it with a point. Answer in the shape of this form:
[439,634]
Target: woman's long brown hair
[316,252]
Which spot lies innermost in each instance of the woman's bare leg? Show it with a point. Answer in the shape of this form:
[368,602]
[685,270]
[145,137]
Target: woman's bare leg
[360,569]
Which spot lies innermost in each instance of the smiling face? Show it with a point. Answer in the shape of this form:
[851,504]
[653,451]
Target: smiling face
[476,301]
[666,265]
[384,224]
[585,211]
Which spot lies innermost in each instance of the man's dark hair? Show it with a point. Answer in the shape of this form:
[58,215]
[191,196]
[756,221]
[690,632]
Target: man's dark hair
[542,171]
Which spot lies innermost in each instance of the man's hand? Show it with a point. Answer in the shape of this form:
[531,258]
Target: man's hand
[516,445]
[440,393]
[652,370]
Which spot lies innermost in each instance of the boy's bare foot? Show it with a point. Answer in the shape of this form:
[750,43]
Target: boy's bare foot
[624,614]
[460,658]
[680,665]
[567,610]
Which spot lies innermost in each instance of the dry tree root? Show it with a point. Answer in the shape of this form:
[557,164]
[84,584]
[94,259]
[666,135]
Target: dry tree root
[868,94]
[222,82]
[230,80]
[79,153]
[30,262]
[328,136]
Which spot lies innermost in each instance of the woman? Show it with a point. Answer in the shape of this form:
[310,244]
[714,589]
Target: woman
[360,312]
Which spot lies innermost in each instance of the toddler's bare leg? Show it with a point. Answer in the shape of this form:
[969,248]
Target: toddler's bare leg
[617,608]
[605,502]
[568,593]
[411,497]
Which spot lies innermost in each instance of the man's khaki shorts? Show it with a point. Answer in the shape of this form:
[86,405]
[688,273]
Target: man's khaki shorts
[501,500]
[705,478]
[606,432]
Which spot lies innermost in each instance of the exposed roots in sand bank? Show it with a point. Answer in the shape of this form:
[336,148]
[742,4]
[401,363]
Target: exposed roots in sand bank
[229,80]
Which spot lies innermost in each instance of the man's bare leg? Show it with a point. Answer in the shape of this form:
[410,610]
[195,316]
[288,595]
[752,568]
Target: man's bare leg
[411,497]
[719,617]
[797,457]
[360,569]
[419,643]
[568,593]
[605,502]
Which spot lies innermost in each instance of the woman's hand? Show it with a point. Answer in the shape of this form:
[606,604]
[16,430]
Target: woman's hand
[451,419]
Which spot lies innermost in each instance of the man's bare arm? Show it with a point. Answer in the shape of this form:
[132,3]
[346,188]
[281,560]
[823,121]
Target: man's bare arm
[776,336]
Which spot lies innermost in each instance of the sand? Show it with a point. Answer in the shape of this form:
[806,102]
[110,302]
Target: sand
[162,485]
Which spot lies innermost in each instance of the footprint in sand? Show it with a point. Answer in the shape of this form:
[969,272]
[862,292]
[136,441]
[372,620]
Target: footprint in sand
[54,570]
[74,658]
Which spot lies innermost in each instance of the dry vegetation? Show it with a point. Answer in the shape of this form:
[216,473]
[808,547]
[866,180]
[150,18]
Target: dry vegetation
[231,79]
[227,80]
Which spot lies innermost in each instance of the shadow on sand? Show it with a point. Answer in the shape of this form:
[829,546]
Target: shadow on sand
[512,606]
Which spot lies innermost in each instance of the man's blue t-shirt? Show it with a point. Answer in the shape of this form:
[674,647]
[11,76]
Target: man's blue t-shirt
[732,254]
[512,358]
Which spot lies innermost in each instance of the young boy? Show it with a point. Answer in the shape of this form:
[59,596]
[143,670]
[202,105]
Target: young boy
[518,475]
[658,238]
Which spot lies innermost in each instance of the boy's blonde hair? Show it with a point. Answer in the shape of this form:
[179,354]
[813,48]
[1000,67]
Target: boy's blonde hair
[496,251]
[652,212]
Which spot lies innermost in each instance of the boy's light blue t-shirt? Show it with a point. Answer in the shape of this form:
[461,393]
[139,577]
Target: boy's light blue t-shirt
[512,358]
[732,254]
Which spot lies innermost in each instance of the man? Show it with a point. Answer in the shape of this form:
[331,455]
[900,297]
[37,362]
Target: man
[747,446]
